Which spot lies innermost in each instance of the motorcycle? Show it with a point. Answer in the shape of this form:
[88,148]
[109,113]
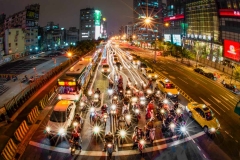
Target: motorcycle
[141,144]
[137,114]
[128,94]
[152,135]
[113,109]
[115,100]
[24,80]
[105,116]
[110,150]
[120,94]
[128,120]
[142,102]
[74,145]
[96,99]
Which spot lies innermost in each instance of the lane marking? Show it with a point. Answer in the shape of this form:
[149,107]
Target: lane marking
[172,77]
[119,153]
[224,97]
[216,104]
[182,80]
[164,72]
[199,148]
[216,99]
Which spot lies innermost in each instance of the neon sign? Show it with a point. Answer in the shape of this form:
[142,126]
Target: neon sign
[229,12]
[62,83]
[173,18]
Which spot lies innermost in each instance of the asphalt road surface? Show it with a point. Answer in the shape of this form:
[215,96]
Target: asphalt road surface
[195,146]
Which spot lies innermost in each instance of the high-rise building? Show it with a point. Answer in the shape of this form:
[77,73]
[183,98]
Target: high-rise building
[229,15]
[128,30]
[27,20]
[72,35]
[90,24]
[202,31]
[104,28]
[53,36]
[143,9]
[174,22]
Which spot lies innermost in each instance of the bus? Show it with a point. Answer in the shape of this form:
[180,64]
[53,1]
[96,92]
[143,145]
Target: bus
[75,80]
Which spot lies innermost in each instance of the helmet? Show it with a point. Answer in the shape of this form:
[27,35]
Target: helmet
[77,114]
[109,133]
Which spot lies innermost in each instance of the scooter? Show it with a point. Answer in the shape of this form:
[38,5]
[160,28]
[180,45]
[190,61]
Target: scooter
[105,115]
[137,114]
[110,150]
[141,144]
[128,120]
[152,135]
[96,99]
[74,145]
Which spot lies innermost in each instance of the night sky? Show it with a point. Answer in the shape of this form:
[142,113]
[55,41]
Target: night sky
[66,12]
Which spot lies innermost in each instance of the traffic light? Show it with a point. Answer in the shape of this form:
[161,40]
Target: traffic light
[237,108]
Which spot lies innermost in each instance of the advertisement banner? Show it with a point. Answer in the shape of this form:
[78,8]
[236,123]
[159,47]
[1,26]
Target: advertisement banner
[177,39]
[173,18]
[229,12]
[232,50]
[167,38]
[97,17]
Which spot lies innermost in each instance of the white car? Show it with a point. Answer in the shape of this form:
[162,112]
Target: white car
[61,118]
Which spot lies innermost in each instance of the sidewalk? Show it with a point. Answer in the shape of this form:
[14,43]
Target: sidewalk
[16,87]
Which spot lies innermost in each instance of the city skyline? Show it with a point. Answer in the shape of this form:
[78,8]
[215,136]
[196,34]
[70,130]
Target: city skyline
[67,13]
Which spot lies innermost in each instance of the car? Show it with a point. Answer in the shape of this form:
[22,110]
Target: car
[210,75]
[115,60]
[119,65]
[149,73]
[61,118]
[142,66]
[199,70]
[204,116]
[105,68]
[135,61]
[168,88]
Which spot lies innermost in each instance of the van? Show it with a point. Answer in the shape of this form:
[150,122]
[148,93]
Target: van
[61,118]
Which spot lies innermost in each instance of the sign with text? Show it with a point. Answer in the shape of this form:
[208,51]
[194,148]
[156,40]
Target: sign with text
[68,83]
[229,12]
[232,50]
[167,38]
[177,39]
[173,18]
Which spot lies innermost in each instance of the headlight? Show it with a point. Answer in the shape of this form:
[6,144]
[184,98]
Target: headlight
[104,116]
[178,93]
[113,107]
[165,101]
[108,70]
[61,131]
[178,111]
[109,145]
[115,97]
[82,104]
[134,99]
[59,97]
[75,124]
[96,95]
[162,111]
[183,129]
[142,98]
[137,110]
[48,129]
[89,92]
[142,102]
[158,92]
[212,130]
[149,76]
[156,76]
[172,125]
[110,91]
[149,91]
[102,70]
[128,92]
[123,133]
[169,93]
[128,117]
[96,129]
[92,109]
[142,142]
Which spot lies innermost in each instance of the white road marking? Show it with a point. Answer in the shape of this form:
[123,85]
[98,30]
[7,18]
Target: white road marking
[119,153]
[216,104]
[164,72]
[182,80]
[224,97]
[199,148]
[216,99]
[172,77]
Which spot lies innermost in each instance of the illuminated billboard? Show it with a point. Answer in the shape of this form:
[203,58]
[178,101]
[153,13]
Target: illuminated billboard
[33,15]
[167,38]
[177,39]
[66,83]
[229,12]
[173,18]
[232,50]
[97,19]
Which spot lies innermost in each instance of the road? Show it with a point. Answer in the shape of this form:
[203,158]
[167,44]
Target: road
[202,90]
[196,145]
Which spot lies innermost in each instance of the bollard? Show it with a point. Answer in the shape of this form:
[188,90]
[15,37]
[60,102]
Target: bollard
[10,150]
[21,131]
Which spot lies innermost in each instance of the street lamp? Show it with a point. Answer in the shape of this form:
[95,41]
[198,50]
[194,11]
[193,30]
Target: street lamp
[69,54]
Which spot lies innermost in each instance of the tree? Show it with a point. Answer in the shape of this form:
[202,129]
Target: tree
[236,73]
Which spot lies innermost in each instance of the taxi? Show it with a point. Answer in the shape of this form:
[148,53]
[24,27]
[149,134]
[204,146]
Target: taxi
[149,73]
[168,88]
[204,116]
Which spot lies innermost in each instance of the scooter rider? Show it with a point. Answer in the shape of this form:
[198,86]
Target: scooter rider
[137,136]
[76,138]
[121,122]
[108,139]
[104,109]
[149,126]
[98,91]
